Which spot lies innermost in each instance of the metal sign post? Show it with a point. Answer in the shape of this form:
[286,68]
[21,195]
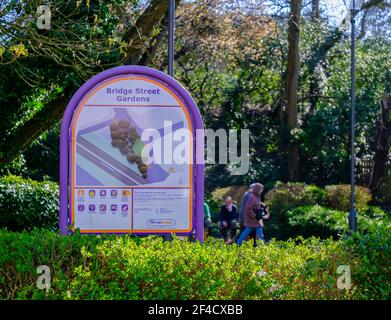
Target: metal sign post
[171,31]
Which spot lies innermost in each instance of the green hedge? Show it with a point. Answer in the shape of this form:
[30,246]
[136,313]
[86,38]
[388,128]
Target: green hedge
[290,218]
[324,222]
[109,267]
[284,197]
[316,220]
[374,270]
[338,197]
[26,204]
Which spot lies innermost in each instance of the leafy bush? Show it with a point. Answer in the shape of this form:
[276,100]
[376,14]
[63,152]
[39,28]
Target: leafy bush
[110,267]
[372,218]
[373,273]
[284,197]
[338,197]
[26,204]
[299,209]
[316,220]
[88,267]
[236,192]
[21,254]
[314,194]
[324,222]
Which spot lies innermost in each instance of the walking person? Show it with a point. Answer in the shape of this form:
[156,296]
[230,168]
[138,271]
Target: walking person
[254,214]
[243,204]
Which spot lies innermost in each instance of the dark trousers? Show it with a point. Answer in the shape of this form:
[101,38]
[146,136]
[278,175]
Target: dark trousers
[232,226]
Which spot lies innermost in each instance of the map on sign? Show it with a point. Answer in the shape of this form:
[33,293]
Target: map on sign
[113,188]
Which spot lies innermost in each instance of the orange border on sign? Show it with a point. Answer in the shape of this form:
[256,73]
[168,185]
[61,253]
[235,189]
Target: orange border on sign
[76,116]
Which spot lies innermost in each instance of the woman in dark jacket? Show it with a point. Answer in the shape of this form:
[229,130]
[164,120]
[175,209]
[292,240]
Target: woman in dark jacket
[251,220]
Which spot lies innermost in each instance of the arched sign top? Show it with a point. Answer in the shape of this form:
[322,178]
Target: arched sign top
[135,70]
[118,167]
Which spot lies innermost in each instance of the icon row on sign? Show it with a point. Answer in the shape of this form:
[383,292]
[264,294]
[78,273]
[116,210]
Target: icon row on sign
[102,207]
[103,193]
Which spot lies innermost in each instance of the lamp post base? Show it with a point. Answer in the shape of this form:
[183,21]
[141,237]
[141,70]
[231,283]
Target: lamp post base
[352,220]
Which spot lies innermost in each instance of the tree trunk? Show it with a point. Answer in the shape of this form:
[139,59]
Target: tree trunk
[315,15]
[382,146]
[292,79]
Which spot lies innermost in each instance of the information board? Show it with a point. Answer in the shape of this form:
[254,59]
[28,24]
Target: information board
[120,139]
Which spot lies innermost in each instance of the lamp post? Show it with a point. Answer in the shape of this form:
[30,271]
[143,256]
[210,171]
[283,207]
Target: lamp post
[354,7]
[170,57]
[171,26]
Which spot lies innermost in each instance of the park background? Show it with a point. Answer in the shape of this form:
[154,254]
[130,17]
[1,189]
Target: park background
[278,68]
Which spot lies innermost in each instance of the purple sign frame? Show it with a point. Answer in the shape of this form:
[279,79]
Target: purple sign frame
[195,118]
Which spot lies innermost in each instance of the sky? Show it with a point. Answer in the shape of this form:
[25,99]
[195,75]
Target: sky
[336,9]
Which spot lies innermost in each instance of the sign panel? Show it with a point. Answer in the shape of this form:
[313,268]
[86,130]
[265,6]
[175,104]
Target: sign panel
[130,155]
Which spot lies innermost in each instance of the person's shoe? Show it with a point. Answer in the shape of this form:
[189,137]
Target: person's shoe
[229,241]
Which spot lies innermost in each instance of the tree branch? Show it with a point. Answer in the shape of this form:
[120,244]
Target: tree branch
[370,4]
[33,128]
[144,28]
[321,52]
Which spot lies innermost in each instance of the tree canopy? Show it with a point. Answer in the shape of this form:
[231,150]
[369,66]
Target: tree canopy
[276,67]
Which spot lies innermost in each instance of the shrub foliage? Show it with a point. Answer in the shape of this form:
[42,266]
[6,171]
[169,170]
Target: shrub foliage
[307,210]
[316,221]
[26,204]
[109,267]
[338,197]
[284,197]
